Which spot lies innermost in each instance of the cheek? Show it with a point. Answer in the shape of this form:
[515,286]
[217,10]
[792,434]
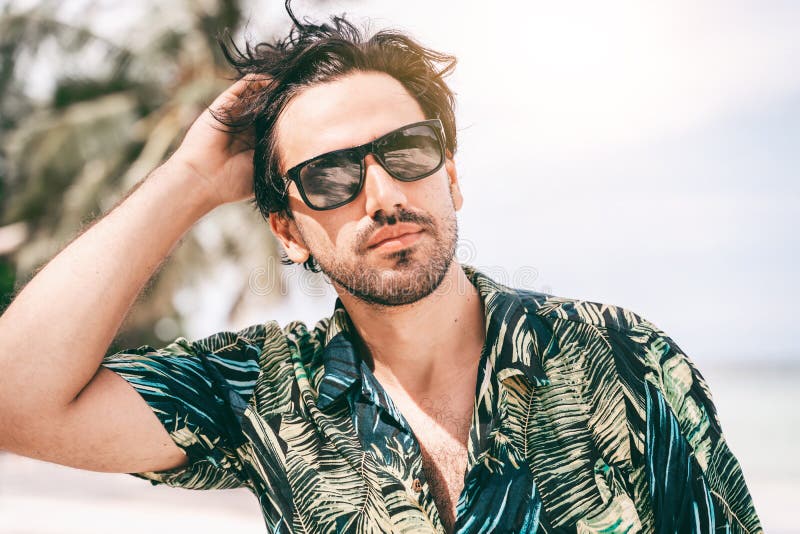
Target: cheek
[436,194]
[325,231]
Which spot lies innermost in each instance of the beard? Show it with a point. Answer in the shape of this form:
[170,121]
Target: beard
[413,273]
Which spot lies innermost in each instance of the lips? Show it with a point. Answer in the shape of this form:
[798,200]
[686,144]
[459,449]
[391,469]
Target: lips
[392,232]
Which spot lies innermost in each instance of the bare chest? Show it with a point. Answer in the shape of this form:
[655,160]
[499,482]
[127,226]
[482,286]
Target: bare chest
[443,432]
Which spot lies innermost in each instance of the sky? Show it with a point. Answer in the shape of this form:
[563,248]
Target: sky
[638,154]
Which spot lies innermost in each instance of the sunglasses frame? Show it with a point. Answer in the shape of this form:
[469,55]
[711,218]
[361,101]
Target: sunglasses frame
[293,174]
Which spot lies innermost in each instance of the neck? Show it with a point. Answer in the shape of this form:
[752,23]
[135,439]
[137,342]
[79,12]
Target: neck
[424,345]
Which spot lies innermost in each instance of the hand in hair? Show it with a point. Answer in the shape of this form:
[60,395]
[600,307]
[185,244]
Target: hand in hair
[222,158]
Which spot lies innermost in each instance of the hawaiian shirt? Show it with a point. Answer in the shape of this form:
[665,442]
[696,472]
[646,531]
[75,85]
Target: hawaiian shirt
[587,418]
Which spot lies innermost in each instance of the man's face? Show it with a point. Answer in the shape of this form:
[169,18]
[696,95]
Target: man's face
[341,114]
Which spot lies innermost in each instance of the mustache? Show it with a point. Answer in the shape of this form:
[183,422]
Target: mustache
[399,216]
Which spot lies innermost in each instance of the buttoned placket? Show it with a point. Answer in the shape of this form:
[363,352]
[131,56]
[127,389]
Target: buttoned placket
[375,416]
[378,421]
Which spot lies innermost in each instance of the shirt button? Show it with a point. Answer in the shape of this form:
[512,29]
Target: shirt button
[416,485]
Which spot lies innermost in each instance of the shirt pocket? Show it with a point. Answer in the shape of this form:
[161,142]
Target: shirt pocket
[618,513]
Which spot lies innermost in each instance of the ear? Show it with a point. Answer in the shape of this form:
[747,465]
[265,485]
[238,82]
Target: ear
[285,230]
[452,174]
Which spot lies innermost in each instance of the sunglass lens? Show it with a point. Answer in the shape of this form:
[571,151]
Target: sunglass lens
[331,180]
[412,153]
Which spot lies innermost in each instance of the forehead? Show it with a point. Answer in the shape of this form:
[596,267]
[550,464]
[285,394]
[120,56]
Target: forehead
[349,111]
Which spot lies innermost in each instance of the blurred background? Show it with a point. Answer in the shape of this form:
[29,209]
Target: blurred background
[640,154]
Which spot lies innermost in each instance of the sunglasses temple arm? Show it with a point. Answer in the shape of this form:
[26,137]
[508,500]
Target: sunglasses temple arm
[285,189]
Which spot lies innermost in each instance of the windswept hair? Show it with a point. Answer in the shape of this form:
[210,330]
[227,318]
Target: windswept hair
[312,54]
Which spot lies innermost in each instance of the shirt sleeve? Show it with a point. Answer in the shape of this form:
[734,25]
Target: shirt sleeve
[198,391]
[695,482]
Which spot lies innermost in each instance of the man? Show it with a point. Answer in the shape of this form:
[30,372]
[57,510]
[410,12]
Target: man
[432,400]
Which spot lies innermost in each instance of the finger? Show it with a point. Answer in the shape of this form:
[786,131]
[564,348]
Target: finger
[249,82]
[244,140]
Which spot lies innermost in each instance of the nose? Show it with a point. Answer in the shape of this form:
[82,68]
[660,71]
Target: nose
[382,191]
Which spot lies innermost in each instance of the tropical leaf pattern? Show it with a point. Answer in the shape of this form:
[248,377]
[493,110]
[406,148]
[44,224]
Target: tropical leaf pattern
[587,419]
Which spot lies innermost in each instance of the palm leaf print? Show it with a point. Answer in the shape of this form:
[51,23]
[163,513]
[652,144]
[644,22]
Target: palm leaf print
[587,418]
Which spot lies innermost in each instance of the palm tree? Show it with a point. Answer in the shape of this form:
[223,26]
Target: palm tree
[118,107]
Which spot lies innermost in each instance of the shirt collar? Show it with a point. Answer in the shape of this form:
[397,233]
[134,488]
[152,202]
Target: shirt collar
[516,339]
[341,362]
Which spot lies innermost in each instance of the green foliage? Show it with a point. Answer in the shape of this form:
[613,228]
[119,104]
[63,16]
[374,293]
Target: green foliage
[69,91]
[6,283]
[118,107]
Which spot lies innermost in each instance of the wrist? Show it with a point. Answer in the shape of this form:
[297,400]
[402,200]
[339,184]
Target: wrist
[190,184]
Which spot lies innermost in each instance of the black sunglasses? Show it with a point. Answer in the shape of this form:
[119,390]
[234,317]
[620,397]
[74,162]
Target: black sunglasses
[335,178]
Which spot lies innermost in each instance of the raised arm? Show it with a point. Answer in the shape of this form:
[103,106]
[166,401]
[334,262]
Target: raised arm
[56,402]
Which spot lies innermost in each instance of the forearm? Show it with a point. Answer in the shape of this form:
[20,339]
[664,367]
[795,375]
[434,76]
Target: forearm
[55,333]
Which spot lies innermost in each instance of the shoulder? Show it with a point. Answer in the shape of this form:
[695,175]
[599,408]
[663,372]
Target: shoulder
[573,310]
[638,354]
[285,358]
[586,333]
[266,344]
